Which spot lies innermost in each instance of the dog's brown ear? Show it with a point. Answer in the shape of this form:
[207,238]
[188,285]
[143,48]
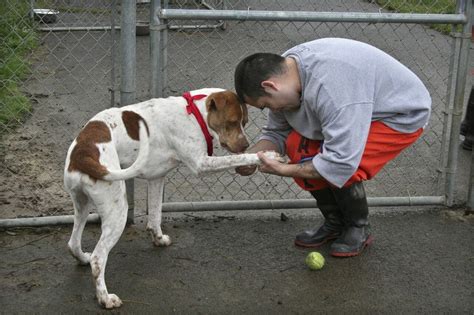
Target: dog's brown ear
[211,105]
[214,101]
[245,118]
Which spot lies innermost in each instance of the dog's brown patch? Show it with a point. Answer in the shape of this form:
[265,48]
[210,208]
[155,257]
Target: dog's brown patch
[130,120]
[85,155]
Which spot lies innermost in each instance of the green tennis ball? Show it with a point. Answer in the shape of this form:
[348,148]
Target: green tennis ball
[314,261]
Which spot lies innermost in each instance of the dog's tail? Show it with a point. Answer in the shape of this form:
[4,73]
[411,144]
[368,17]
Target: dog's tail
[135,169]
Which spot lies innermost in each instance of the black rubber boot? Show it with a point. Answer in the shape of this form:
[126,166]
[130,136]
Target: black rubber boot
[333,223]
[467,125]
[467,144]
[464,128]
[353,204]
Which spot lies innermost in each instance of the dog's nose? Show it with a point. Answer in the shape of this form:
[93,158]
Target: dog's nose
[242,148]
[243,144]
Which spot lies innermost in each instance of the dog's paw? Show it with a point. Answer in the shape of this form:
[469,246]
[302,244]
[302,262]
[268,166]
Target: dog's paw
[164,240]
[110,301]
[275,156]
[85,259]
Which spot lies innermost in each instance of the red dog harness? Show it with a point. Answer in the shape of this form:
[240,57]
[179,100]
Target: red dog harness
[191,108]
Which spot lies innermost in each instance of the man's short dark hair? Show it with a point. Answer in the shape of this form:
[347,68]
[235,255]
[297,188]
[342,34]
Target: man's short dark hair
[252,70]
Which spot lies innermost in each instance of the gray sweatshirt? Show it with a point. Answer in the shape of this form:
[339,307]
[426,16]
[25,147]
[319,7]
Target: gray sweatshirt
[346,85]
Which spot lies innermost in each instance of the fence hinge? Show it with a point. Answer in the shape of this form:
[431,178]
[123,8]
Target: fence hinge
[160,27]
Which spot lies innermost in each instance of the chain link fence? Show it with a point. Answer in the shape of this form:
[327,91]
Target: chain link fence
[70,71]
[66,81]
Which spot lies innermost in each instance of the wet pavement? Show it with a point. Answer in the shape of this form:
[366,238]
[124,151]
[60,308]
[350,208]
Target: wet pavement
[421,262]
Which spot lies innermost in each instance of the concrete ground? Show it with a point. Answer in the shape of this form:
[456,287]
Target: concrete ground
[421,262]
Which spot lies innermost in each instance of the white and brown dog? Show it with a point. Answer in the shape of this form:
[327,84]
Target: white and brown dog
[149,139]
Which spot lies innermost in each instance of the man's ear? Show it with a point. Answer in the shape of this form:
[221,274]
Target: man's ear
[269,86]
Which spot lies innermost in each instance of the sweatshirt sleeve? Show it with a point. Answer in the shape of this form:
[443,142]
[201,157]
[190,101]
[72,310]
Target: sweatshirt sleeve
[276,130]
[345,134]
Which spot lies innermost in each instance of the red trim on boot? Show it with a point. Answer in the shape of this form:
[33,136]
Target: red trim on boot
[367,242]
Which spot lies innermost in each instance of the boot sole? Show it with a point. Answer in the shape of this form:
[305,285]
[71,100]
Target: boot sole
[369,241]
[313,245]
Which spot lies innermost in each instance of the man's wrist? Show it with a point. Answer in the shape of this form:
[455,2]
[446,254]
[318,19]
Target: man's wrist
[289,170]
[305,170]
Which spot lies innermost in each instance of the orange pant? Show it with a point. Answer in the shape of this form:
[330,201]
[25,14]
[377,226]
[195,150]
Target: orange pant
[383,145]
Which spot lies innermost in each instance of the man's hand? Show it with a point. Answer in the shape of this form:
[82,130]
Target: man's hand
[272,163]
[262,145]
[268,155]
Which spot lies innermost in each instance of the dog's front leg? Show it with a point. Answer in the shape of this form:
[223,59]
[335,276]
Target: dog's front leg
[155,202]
[220,163]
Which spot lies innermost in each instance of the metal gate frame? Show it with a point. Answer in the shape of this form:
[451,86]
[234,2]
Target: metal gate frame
[456,86]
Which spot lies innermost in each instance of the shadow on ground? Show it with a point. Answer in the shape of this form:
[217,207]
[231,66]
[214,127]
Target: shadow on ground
[420,261]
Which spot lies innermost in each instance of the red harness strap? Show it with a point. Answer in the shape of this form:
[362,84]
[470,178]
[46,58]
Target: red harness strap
[192,109]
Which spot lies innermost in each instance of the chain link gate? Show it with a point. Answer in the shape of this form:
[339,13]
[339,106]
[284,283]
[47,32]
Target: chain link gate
[72,76]
[207,60]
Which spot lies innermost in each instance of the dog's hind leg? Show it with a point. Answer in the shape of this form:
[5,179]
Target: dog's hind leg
[81,211]
[112,208]
[155,201]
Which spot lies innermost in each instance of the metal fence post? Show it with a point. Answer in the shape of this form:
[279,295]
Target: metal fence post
[470,195]
[113,36]
[156,63]
[447,116]
[128,76]
[158,52]
[164,50]
[464,7]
